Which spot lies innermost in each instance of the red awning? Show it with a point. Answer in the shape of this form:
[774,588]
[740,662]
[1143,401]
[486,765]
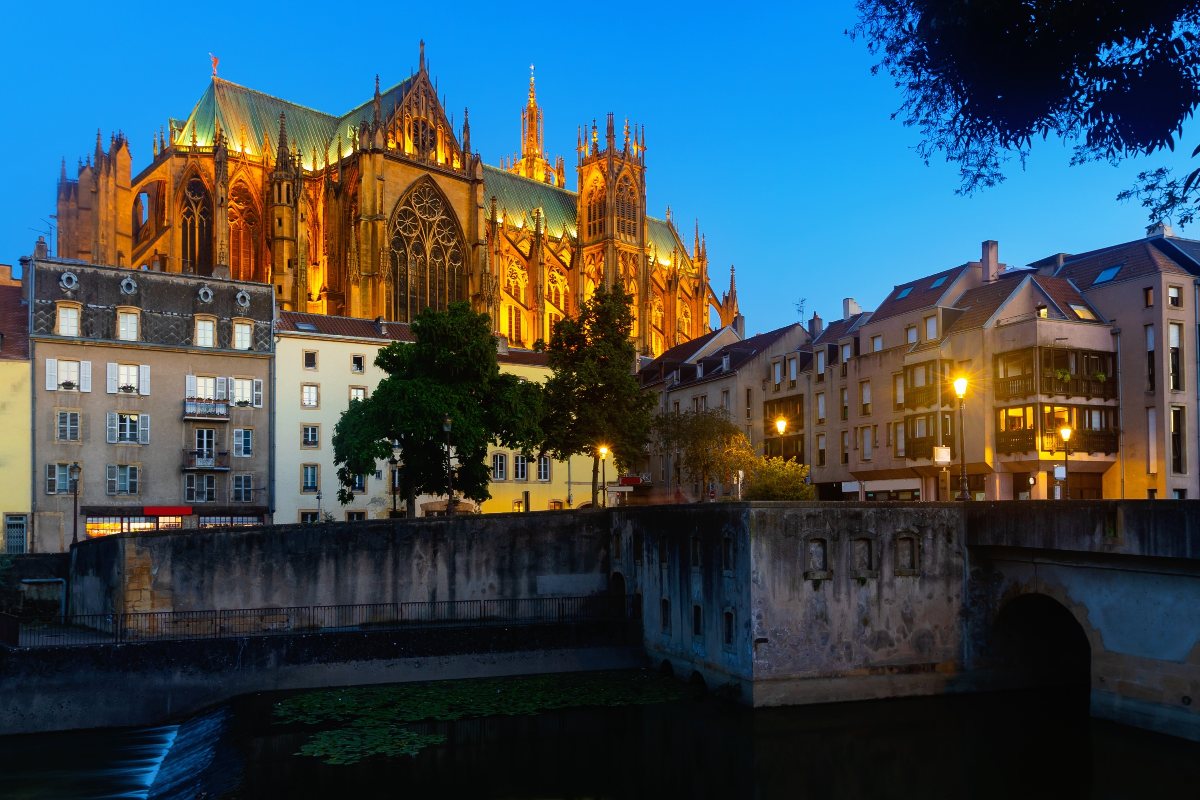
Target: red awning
[167,511]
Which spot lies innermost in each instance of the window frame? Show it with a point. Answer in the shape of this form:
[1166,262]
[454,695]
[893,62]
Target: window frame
[72,306]
[202,323]
[241,325]
[316,389]
[124,313]
[307,442]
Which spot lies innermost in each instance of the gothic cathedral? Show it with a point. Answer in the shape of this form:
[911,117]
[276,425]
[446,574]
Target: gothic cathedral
[385,211]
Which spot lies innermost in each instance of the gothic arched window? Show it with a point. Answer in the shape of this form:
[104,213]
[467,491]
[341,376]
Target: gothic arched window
[657,313]
[627,208]
[427,253]
[595,210]
[515,281]
[556,289]
[197,228]
[243,234]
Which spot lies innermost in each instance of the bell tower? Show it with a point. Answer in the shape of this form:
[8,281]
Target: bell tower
[612,215]
[285,186]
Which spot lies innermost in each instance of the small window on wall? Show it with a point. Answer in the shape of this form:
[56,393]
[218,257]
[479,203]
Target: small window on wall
[1175,297]
[499,466]
[310,359]
[358,363]
[242,335]
[67,323]
[127,325]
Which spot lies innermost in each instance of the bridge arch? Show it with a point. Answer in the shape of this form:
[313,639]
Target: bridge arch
[1036,640]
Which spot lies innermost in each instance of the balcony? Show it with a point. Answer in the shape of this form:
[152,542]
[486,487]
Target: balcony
[1018,386]
[1022,441]
[203,409]
[921,447]
[1076,386]
[206,460]
[1082,441]
[920,396]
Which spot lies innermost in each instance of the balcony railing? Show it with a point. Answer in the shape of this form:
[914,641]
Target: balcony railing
[1076,386]
[920,396]
[196,408]
[205,459]
[1023,441]
[1082,441]
[1017,386]
[918,447]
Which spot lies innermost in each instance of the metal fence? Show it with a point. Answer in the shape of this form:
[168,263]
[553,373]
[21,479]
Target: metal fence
[87,629]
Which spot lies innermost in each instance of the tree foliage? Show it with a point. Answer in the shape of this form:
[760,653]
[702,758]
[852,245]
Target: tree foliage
[981,80]
[592,398]
[778,479]
[450,370]
[703,445]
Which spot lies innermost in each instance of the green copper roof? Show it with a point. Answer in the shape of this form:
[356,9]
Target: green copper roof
[661,239]
[247,117]
[516,197]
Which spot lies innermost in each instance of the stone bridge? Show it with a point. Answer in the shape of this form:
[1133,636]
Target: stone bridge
[780,603]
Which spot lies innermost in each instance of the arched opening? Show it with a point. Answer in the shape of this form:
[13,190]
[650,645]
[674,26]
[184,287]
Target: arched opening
[616,590]
[427,253]
[1036,642]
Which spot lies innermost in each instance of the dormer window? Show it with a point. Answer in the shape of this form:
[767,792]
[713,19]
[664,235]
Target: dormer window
[725,362]
[904,292]
[700,370]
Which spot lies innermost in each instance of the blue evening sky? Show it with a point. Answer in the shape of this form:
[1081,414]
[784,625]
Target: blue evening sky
[763,123]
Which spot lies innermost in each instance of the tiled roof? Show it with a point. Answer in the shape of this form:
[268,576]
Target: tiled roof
[248,116]
[14,325]
[1189,247]
[841,327]
[1135,259]
[1064,294]
[739,354]
[979,304]
[673,357]
[322,325]
[922,293]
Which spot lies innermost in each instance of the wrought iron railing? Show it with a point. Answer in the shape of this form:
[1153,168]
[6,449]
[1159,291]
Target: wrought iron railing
[205,459]
[89,629]
[1023,441]
[205,409]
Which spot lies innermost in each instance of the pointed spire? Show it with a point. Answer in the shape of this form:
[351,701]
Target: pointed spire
[375,103]
[626,133]
[696,241]
[466,134]
[595,138]
[282,153]
[421,68]
[610,134]
[62,175]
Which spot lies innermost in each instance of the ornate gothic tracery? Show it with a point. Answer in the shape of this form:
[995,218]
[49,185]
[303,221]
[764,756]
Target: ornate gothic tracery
[627,209]
[196,217]
[244,230]
[427,253]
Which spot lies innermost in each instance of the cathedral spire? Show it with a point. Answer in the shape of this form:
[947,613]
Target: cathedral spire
[421,64]
[281,154]
[375,103]
[531,124]
[466,134]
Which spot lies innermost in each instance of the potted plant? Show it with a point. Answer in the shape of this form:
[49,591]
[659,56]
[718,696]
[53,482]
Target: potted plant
[241,403]
[1101,377]
[128,388]
[1063,374]
[67,384]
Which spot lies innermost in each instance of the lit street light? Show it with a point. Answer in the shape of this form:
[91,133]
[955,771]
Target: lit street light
[1065,432]
[604,474]
[960,389]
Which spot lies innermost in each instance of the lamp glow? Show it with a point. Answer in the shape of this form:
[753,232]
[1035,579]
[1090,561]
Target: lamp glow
[781,425]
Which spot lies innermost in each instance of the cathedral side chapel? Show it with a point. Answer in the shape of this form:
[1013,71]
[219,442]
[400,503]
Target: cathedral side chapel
[385,210]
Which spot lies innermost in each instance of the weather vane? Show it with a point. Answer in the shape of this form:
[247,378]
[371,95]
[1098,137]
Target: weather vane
[214,60]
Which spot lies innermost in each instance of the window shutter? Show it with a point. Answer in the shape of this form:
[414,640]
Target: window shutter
[143,429]
[85,376]
[112,378]
[258,392]
[144,379]
[51,374]
[112,427]
[237,443]
[134,477]
[51,479]
[112,478]
[222,388]
[189,386]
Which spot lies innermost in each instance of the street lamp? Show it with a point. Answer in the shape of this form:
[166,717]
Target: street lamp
[73,473]
[604,474]
[960,389]
[1065,432]
[395,476]
[446,424]
[318,505]
[780,427]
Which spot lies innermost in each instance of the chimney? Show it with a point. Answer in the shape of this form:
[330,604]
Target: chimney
[739,326]
[381,326]
[990,262]
[850,308]
[815,326]
[1160,228]
[40,250]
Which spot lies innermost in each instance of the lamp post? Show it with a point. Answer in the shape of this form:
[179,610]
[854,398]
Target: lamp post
[73,473]
[446,425]
[604,475]
[1065,432]
[960,389]
[395,476]
[319,506]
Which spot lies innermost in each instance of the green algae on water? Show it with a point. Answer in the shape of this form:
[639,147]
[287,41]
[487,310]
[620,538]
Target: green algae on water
[370,721]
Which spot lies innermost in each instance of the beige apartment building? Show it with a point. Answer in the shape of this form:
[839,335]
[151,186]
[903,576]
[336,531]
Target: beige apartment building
[15,408]
[875,410]
[151,398]
[323,363]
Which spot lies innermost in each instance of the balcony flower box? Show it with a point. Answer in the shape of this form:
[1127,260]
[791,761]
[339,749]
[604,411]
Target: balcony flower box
[128,388]
[67,385]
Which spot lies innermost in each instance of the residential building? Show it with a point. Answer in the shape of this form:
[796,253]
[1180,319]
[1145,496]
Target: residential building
[152,400]
[385,209]
[16,410]
[324,362]
[721,370]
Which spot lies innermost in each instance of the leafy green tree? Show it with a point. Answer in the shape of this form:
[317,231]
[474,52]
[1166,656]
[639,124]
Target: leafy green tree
[450,371]
[592,398]
[981,80]
[777,478]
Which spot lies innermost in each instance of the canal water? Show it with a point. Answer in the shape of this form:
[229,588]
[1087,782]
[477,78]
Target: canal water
[1010,745]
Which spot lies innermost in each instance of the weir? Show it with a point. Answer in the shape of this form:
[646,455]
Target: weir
[778,603]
